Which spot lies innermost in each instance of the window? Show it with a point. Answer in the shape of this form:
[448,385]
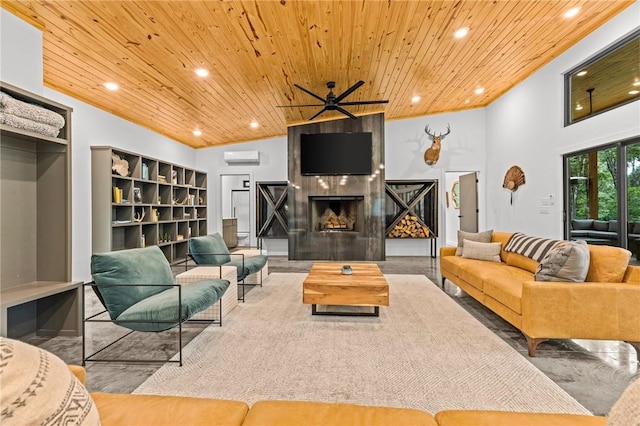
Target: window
[602,199]
[606,81]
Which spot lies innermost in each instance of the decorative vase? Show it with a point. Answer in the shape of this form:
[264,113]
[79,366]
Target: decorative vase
[346,270]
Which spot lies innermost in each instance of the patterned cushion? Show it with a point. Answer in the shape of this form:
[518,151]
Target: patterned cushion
[481,237]
[38,388]
[532,247]
[481,251]
[568,261]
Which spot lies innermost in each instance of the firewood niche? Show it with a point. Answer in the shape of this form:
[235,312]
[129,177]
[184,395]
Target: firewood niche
[411,209]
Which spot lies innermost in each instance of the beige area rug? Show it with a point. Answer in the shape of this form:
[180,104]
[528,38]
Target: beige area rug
[424,351]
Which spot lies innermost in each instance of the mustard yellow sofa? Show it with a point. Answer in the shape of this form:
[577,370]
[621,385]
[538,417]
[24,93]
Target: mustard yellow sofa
[135,410]
[604,307]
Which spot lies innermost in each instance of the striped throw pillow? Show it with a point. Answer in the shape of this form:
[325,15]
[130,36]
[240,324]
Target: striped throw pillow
[532,247]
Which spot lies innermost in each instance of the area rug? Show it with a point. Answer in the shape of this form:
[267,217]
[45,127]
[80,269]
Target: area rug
[424,351]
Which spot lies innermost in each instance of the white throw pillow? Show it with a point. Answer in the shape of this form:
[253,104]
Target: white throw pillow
[39,389]
[481,251]
[568,261]
[481,237]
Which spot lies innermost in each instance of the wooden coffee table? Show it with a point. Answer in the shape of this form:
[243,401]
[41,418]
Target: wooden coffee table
[325,285]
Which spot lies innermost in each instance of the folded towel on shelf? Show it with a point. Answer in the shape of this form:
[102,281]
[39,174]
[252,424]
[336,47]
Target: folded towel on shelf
[26,124]
[10,105]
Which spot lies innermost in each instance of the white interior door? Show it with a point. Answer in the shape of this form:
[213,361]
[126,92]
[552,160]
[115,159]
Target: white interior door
[235,201]
[469,202]
[240,209]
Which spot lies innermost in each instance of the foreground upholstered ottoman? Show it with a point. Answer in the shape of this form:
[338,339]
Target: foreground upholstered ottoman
[229,299]
[259,277]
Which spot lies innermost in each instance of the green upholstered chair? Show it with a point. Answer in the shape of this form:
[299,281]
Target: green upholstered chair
[137,290]
[212,250]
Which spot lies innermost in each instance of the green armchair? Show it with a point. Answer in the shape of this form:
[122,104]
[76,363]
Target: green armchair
[137,290]
[211,250]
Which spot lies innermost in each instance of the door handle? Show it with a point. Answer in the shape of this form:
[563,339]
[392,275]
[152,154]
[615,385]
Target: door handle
[234,212]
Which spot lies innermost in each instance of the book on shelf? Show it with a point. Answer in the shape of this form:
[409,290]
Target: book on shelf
[117,195]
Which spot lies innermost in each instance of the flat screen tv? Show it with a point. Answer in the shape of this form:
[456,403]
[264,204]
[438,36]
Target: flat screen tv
[335,154]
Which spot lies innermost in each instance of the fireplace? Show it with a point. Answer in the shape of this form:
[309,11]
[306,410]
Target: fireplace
[332,217]
[336,213]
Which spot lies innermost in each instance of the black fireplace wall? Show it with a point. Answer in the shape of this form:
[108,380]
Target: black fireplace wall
[367,241]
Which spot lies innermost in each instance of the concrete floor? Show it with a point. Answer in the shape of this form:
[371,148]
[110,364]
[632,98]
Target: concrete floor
[594,372]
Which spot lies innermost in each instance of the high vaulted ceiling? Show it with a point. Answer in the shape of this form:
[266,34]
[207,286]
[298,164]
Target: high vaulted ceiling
[257,50]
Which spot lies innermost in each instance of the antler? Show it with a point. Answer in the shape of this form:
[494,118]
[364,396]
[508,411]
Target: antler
[448,131]
[433,136]
[426,130]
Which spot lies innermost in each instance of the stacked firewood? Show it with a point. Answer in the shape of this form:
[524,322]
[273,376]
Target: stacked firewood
[409,227]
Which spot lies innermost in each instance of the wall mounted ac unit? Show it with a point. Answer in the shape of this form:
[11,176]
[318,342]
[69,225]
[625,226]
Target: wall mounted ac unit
[242,157]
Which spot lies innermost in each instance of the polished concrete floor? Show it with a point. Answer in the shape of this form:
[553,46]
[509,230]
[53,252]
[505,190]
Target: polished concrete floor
[594,372]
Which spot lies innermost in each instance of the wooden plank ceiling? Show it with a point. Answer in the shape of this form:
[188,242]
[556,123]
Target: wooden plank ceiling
[257,50]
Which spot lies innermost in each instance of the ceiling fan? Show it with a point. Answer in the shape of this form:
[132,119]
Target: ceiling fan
[333,102]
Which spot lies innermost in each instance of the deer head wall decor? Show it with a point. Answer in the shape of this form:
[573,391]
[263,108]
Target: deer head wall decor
[432,154]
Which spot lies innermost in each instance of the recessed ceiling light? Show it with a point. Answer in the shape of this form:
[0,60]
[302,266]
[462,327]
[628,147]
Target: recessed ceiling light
[254,124]
[634,92]
[479,91]
[578,107]
[461,32]
[581,73]
[466,101]
[111,86]
[201,72]
[571,12]
[415,99]
[636,82]
[197,132]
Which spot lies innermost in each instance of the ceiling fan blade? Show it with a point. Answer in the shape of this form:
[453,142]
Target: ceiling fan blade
[311,93]
[347,113]
[349,91]
[318,113]
[364,102]
[298,106]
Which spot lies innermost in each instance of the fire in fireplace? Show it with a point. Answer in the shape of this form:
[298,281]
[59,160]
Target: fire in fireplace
[335,213]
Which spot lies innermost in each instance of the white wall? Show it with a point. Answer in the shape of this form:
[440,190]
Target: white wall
[273,167]
[20,53]
[463,149]
[526,127]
